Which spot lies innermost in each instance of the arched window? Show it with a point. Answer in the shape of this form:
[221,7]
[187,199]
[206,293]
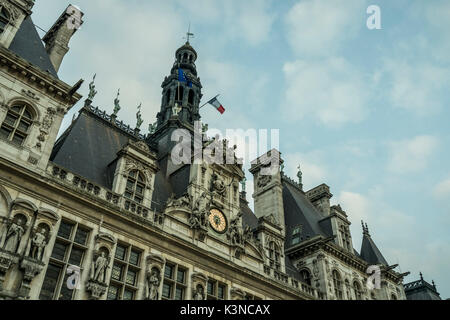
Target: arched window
[168,93]
[184,57]
[274,255]
[191,97]
[180,93]
[357,290]
[4,19]
[305,275]
[337,282]
[135,186]
[17,124]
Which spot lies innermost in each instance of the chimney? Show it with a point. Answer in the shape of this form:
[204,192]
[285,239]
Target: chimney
[57,38]
[320,197]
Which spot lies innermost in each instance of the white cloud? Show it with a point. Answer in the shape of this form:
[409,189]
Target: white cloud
[417,86]
[319,27]
[411,155]
[331,92]
[442,190]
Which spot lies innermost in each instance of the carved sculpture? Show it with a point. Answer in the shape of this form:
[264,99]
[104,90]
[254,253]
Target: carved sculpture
[199,294]
[116,104]
[200,212]
[92,91]
[139,120]
[153,282]
[13,236]
[101,264]
[38,243]
[218,186]
[235,233]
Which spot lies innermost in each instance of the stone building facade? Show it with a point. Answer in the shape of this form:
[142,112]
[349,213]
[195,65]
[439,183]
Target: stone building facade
[103,211]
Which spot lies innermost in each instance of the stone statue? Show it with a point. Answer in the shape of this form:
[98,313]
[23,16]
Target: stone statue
[38,243]
[13,236]
[218,187]
[100,266]
[152,128]
[243,184]
[139,120]
[199,295]
[176,109]
[92,91]
[153,282]
[299,175]
[199,212]
[205,128]
[235,232]
[117,103]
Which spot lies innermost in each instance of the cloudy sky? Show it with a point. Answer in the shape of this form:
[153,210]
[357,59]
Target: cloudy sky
[365,111]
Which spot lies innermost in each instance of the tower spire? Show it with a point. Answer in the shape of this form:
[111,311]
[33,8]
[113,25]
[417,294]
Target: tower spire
[189,34]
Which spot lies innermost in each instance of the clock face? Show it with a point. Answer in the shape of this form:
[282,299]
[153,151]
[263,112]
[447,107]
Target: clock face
[218,221]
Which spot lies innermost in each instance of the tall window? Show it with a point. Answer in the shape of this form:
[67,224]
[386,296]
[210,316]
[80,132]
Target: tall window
[191,97]
[337,282]
[345,235]
[135,186]
[4,19]
[305,275]
[124,274]
[274,255]
[69,249]
[17,123]
[216,290]
[357,290]
[179,94]
[174,285]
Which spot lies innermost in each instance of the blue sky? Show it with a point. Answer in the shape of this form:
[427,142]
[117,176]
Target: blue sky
[365,111]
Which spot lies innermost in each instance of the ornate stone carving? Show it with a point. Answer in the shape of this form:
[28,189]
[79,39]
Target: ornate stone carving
[39,241]
[30,94]
[263,181]
[141,145]
[96,289]
[100,267]
[12,10]
[184,201]
[31,268]
[218,186]
[237,294]
[199,281]
[131,164]
[153,279]
[14,232]
[200,211]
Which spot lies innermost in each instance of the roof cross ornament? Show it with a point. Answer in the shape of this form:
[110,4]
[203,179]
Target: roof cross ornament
[189,34]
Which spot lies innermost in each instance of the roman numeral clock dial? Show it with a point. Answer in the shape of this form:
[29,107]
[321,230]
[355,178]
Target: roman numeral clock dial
[218,221]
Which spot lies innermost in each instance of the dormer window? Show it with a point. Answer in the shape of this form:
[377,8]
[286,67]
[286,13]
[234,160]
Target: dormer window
[16,126]
[4,19]
[135,186]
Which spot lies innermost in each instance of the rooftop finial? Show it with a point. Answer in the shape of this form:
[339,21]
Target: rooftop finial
[117,103]
[139,120]
[434,284]
[243,184]
[421,275]
[300,175]
[189,34]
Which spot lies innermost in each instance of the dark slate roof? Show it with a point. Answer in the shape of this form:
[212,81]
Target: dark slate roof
[28,45]
[421,290]
[88,147]
[370,251]
[248,217]
[298,210]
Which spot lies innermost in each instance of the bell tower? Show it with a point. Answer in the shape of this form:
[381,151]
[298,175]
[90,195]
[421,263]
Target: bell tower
[181,90]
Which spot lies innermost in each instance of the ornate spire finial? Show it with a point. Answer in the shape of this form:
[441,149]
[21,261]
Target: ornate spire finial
[367,229]
[92,91]
[117,103]
[139,120]
[243,184]
[421,275]
[152,128]
[434,284]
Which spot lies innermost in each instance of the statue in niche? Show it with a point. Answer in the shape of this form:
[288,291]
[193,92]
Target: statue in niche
[199,295]
[100,267]
[235,232]
[153,282]
[38,243]
[200,212]
[14,235]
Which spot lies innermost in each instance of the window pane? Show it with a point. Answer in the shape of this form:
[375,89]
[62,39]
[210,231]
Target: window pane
[221,292]
[179,293]
[113,293]
[18,139]
[168,271]
[50,282]
[120,252]
[131,277]
[65,230]
[167,289]
[130,184]
[138,199]
[181,276]
[128,295]
[210,288]
[129,195]
[27,114]
[139,189]
[134,257]
[5,132]
[81,236]
[76,256]
[10,119]
[117,272]
[23,126]
[66,293]
[59,251]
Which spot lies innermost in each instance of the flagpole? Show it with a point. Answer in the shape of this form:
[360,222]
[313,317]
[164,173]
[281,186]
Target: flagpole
[208,101]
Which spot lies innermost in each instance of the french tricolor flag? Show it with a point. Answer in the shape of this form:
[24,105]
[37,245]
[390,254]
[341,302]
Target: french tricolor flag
[216,104]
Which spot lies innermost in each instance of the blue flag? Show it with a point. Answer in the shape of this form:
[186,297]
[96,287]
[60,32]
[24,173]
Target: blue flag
[183,78]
